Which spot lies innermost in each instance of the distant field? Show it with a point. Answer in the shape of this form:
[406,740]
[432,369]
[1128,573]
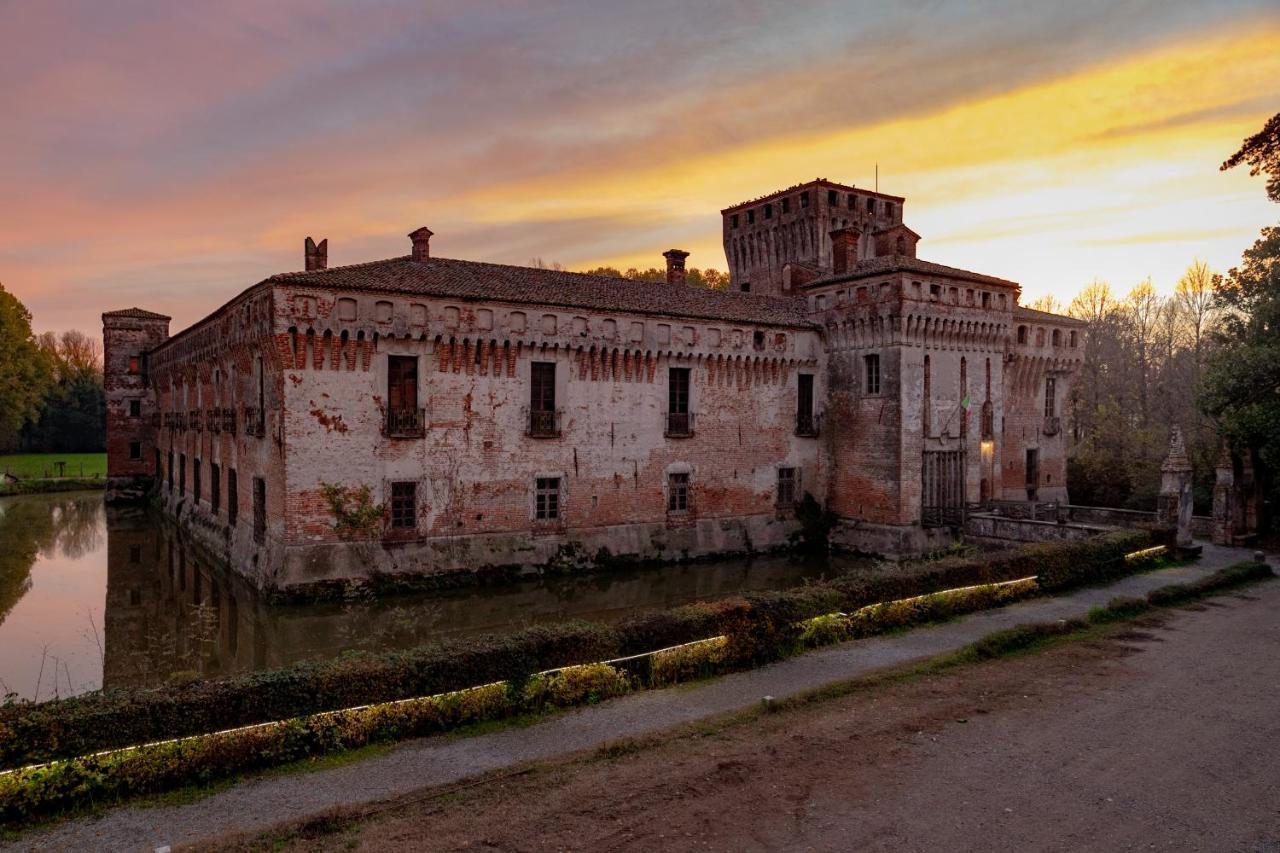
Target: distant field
[37,465]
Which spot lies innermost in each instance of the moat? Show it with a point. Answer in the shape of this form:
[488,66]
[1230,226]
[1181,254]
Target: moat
[92,597]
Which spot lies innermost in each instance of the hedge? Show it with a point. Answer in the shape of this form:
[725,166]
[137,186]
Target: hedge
[758,627]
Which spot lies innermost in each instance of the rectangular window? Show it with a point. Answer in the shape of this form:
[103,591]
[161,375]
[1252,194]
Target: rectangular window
[182,475]
[1050,390]
[786,487]
[751,216]
[135,408]
[402,396]
[215,488]
[734,220]
[1033,472]
[547,498]
[832,198]
[542,398]
[259,510]
[768,211]
[871,205]
[195,479]
[804,405]
[404,506]
[233,497]
[679,420]
[171,470]
[677,492]
[135,450]
[786,204]
[873,374]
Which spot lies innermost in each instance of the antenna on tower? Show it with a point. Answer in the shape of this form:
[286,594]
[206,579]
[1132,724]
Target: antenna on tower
[877,176]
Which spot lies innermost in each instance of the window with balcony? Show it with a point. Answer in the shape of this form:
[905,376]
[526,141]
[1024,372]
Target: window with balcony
[543,422]
[404,418]
[679,418]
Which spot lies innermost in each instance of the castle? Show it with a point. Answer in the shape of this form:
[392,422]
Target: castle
[422,414]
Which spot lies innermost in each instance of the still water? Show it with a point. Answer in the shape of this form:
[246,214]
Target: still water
[93,597]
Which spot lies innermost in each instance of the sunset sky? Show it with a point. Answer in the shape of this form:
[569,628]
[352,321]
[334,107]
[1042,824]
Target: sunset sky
[167,155]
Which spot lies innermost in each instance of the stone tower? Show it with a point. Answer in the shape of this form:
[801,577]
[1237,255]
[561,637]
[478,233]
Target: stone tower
[132,457]
[792,228]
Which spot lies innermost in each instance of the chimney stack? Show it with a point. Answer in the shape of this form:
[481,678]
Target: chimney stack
[675,265]
[315,257]
[844,249]
[421,244]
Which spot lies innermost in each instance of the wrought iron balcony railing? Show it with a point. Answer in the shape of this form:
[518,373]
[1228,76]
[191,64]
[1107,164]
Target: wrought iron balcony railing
[213,420]
[255,422]
[406,423]
[193,419]
[677,424]
[807,425]
[542,424]
[229,421]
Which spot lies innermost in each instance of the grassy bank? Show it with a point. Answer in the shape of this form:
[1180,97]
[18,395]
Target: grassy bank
[45,466]
[38,487]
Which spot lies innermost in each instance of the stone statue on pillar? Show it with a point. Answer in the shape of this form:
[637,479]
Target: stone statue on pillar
[1173,507]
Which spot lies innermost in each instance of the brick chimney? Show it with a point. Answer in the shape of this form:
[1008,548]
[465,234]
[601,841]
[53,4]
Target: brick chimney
[316,256]
[421,244]
[844,249]
[675,265]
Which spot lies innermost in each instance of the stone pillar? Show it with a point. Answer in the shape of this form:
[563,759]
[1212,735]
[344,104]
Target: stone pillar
[1174,504]
[1224,498]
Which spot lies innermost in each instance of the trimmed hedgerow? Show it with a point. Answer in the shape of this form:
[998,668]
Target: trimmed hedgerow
[758,627]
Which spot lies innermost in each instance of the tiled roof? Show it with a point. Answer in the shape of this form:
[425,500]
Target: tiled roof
[474,281]
[904,263]
[137,314]
[1046,317]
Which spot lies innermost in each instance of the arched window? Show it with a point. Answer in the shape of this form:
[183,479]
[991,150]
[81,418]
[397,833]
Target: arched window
[1022,334]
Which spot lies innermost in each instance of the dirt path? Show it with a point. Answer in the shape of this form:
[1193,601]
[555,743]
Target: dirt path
[1159,737]
[268,800]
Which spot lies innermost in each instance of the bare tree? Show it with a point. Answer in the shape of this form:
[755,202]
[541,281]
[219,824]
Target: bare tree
[1194,297]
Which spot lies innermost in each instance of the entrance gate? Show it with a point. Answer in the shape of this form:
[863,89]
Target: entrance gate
[943,499]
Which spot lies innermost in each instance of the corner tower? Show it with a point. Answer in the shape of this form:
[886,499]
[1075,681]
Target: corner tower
[132,458]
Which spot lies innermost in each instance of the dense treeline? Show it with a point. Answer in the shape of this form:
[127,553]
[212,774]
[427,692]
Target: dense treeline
[1144,361]
[51,394]
[1206,358]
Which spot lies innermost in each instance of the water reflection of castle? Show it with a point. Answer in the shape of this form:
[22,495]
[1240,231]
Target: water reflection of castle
[172,613]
